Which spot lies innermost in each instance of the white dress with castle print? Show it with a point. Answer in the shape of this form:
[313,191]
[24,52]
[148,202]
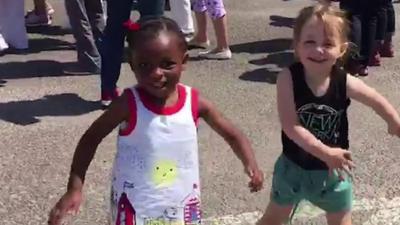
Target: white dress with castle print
[155,179]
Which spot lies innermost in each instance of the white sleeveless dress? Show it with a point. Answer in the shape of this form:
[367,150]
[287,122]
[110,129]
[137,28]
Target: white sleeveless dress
[155,179]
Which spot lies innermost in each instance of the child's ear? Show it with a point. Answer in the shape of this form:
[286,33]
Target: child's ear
[185,59]
[130,60]
[343,48]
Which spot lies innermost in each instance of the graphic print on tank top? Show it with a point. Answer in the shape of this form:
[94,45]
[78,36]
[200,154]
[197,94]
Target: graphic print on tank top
[126,212]
[159,156]
[321,120]
[192,210]
[164,173]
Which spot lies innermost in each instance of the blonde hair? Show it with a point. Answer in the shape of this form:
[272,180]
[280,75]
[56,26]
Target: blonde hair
[334,21]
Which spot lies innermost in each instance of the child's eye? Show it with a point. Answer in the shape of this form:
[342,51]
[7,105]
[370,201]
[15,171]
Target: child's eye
[328,45]
[143,65]
[309,42]
[167,64]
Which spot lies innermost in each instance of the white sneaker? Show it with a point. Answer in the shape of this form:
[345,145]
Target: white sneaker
[188,37]
[32,19]
[214,54]
[3,44]
[195,44]
[49,9]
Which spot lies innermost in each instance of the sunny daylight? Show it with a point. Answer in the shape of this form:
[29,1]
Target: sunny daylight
[190,112]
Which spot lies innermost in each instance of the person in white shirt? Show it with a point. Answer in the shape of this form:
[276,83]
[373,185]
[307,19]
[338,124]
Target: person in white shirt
[12,27]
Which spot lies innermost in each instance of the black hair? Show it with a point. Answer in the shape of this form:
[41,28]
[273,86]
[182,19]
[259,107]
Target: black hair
[151,28]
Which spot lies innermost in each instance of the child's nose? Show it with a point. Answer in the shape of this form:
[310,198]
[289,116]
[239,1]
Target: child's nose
[320,49]
[156,73]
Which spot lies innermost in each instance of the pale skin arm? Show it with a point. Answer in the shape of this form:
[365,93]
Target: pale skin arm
[235,138]
[359,91]
[335,158]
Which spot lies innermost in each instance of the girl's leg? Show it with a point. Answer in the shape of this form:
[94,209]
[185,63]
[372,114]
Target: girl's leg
[201,21]
[40,15]
[200,8]
[275,214]
[340,218]
[40,6]
[217,13]
[285,192]
[221,33]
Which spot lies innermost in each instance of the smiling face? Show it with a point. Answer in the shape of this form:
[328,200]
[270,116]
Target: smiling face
[320,44]
[158,63]
[164,173]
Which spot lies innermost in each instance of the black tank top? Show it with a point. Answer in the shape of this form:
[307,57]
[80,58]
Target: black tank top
[324,116]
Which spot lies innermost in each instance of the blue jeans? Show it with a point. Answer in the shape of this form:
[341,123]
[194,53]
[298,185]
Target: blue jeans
[118,11]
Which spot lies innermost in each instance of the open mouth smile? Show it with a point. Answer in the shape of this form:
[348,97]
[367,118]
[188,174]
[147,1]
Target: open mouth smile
[317,60]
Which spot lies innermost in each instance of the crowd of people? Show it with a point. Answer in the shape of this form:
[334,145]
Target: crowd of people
[155,175]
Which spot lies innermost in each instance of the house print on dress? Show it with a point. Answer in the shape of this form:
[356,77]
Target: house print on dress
[126,212]
[192,213]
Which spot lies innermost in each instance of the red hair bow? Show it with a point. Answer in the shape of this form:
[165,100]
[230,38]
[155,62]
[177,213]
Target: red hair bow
[132,26]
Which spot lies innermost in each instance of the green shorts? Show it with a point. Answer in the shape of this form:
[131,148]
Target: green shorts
[291,184]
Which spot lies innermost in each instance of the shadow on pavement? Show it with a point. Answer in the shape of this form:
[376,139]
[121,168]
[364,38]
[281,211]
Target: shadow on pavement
[260,75]
[2,83]
[27,112]
[267,46]
[281,21]
[272,65]
[48,44]
[49,30]
[34,68]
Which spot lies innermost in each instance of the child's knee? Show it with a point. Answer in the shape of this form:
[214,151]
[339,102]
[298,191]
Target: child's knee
[215,9]
[339,218]
[275,214]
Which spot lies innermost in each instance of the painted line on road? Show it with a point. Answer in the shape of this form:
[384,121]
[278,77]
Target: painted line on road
[386,210]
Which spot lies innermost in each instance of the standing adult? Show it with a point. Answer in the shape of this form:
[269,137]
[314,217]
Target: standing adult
[12,27]
[182,14]
[87,22]
[118,11]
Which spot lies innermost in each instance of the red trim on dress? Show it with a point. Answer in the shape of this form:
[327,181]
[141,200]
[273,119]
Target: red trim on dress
[166,110]
[195,105]
[133,114]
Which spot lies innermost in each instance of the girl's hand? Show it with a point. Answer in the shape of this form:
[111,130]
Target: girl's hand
[394,128]
[340,160]
[68,204]
[256,177]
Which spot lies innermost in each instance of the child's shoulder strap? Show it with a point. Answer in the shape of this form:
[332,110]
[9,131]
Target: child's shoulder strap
[194,101]
[298,82]
[195,104]
[131,124]
[340,78]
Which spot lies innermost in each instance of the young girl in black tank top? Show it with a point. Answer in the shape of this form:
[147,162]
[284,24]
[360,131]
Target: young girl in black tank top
[313,96]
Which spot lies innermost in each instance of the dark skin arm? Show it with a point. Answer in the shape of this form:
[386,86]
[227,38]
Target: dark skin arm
[117,112]
[235,138]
